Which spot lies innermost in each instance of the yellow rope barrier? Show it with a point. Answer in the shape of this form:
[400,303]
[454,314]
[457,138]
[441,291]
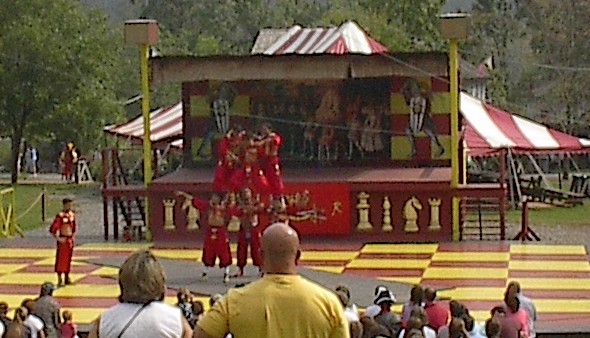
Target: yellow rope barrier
[8,226]
[37,200]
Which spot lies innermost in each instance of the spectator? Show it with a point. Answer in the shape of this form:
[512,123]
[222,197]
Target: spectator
[492,328]
[516,315]
[457,329]
[17,327]
[372,329]
[350,316]
[198,310]
[457,310]
[34,323]
[416,300]
[281,303]
[68,329]
[509,328]
[413,328]
[419,316]
[4,316]
[526,304]
[47,308]
[356,330]
[473,329]
[141,311]
[437,314]
[351,308]
[385,317]
[185,303]
[372,310]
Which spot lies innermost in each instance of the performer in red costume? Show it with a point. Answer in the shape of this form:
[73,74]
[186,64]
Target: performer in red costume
[271,165]
[63,229]
[227,160]
[250,174]
[216,238]
[250,230]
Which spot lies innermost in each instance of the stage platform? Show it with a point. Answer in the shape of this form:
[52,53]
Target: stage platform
[391,204]
[556,277]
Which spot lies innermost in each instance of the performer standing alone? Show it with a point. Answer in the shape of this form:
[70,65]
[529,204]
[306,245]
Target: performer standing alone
[63,229]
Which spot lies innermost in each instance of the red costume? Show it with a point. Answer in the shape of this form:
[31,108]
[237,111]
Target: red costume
[250,174]
[271,165]
[216,238]
[250,232]
[68,157]
[226,162]
[64,227]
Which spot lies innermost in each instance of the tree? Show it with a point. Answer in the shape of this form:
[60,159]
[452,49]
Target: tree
[58,77]
[499,31]
[557,81]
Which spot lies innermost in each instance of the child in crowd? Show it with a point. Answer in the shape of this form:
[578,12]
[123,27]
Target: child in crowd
[68,328]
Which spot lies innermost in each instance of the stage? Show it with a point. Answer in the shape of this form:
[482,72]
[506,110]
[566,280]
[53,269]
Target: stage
[386,205]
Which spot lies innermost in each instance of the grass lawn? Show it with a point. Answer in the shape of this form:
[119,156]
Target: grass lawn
[28,203]
[578,215]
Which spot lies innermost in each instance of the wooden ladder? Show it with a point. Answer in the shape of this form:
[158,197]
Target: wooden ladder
[132,209]
[481,219]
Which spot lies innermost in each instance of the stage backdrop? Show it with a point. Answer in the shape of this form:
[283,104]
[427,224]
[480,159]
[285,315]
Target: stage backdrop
[394,121]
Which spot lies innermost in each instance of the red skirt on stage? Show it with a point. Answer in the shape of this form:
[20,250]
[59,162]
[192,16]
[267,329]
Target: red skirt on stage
[216,245]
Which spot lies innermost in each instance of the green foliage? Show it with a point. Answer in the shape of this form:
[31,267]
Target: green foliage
[60,76]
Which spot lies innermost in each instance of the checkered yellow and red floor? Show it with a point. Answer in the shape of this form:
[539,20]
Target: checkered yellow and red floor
[556,277]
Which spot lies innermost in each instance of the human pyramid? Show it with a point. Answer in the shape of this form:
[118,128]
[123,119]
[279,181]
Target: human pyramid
[247,182]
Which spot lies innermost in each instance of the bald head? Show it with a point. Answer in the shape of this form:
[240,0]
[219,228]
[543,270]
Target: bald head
[280,249]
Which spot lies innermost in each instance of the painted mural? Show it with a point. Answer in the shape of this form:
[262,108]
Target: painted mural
[403,120]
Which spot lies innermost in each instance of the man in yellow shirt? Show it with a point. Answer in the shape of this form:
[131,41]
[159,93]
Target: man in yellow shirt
[280,304]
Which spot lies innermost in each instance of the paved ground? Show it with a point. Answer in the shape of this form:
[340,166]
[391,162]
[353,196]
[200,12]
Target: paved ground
[556,276]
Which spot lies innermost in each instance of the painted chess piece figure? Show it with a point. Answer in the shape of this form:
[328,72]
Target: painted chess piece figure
[411,209]
[309,133]
[219,111]
[216,243]
[250,230]
[354,138]
[327,144]
[420,117]
[63,229]
[371,130]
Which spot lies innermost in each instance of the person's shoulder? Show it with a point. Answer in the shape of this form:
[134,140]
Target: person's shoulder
[165,307]
[314,289]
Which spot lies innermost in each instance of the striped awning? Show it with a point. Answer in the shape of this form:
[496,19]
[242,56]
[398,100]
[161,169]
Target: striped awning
[165,125]
[349,38]
[489,129]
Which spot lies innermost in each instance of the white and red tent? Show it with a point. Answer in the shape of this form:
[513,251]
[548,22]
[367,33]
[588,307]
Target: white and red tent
[489,129]
[165,126]
[348,38]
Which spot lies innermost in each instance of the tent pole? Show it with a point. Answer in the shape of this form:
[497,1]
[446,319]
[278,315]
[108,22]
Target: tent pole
[540,171]
[574,163]
[515,179]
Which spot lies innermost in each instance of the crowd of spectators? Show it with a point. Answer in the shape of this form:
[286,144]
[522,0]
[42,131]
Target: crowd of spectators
[38,318]
[280,304]
[424,316]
